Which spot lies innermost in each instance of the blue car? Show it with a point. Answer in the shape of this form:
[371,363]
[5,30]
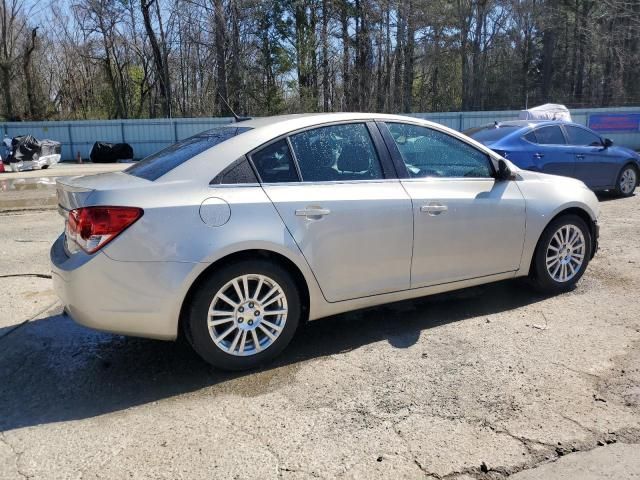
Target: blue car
[562,148]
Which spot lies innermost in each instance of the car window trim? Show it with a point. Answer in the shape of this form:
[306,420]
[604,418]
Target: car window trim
[449,179]
[387,172]
[384,156]
[399,161]
[392,148]
[295,158]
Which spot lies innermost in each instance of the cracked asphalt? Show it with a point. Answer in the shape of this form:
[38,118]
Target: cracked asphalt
[486,383]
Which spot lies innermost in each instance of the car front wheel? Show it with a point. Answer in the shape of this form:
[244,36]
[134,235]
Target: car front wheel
[244,314]
[562,254]
[627,181]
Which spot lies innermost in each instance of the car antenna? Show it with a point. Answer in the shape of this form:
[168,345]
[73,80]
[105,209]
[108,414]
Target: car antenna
[235,116]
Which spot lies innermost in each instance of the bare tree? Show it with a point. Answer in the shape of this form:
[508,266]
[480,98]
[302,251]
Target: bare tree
[138,58]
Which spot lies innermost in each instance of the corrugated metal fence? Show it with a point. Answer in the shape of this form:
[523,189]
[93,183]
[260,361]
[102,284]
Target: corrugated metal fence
[145,136]
[148,136]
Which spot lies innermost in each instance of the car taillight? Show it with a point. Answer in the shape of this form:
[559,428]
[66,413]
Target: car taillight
[93,227]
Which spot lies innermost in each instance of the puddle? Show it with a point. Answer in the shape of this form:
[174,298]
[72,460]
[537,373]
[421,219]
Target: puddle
[18,193]
[10,184]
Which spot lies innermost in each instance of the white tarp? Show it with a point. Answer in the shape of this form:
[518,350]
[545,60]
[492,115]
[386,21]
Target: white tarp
[548,111]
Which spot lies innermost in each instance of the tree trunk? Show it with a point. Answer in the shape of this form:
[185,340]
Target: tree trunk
[158,58]
[234,74]
[5,69]
[108,68]
[221,70]
[464,25]
[346,74]
[549,37]
[325,56]
[32,100]
[476,55]
[396,103]
[407,83]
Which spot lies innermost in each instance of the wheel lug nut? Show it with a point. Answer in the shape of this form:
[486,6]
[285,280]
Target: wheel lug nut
[241,309]
[240,320]
[250,322]
[256,313]
[251,305]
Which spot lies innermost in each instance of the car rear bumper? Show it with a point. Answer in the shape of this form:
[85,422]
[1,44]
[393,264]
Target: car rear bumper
[129,298]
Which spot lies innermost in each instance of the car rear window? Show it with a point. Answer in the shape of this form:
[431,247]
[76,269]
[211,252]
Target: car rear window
[156,165]
[490,133]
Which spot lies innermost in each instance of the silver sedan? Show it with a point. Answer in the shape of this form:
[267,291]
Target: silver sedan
[238,235]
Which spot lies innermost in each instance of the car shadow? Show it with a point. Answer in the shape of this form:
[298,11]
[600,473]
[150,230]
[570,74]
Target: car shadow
[607,196]
[53,370]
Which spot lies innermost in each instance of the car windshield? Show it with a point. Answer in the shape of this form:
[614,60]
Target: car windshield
[156,165]
[490,133]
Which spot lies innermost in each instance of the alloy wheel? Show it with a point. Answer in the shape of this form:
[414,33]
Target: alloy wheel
[247,315]
[565,253]
[628,181]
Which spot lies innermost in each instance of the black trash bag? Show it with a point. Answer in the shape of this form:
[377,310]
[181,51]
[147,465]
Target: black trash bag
[24,148]
[103,152]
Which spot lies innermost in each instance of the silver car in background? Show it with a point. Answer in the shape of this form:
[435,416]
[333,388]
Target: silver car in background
[238,235]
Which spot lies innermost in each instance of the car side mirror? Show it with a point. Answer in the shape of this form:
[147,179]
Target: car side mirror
[607,142]
[504,172]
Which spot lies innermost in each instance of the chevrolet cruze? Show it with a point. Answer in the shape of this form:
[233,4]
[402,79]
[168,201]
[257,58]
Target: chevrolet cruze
[236,236]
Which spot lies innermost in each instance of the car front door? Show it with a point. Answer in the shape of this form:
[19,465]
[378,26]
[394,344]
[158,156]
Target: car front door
[352,222]
[467,224]
[596,165]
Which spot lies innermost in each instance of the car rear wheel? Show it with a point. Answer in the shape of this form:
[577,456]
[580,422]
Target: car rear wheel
[627,181]
[562,254]
[244,315]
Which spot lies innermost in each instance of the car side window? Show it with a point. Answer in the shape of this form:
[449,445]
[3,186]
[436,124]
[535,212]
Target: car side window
[550,135]
[274,163]
[238,172]
[531,137]
[336,152]
[430,153]
[580,136]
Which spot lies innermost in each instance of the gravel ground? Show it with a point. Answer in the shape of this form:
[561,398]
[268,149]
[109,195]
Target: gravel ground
[484,383]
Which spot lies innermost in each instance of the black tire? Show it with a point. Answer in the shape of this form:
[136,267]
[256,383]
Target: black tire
[196,324]
[540,277]
[620,191]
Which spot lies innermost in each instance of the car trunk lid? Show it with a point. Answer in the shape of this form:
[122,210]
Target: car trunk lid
[75,192]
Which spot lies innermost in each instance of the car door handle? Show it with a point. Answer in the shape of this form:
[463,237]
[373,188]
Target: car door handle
[434,208]
[538,155]
[312,212]
[579,157]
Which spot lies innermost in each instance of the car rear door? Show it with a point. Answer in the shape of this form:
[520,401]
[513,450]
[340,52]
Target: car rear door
[335,191]
[466,223]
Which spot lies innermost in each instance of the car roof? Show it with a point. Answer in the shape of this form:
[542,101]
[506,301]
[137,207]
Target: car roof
[263,130]
[301,120]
